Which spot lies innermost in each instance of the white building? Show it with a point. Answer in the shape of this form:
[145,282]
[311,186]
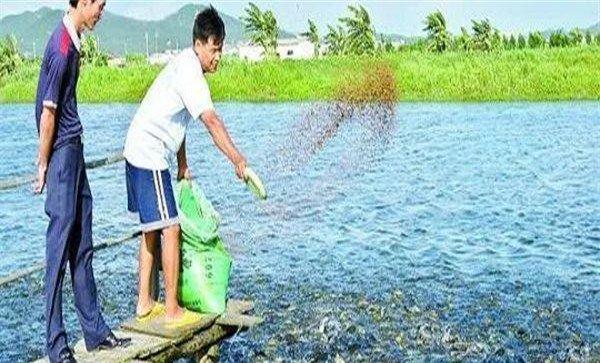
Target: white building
[289,48]
[298,48]
[248,51]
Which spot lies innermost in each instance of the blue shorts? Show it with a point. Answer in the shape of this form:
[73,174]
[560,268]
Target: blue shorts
[150,195]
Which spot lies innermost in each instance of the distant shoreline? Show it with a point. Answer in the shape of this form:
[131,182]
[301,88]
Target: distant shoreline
[558,74]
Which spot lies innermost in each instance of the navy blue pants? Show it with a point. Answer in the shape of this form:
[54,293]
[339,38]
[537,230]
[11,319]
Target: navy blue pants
[69,239]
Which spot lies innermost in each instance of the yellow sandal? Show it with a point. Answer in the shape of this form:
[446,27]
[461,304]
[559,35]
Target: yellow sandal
[188,318]
[157,310]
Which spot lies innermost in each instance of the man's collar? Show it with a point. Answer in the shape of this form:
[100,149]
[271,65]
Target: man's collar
[72,32]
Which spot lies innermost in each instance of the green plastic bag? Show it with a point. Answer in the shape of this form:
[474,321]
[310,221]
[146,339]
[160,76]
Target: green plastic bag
[204,278]
[198,219]
[205,262]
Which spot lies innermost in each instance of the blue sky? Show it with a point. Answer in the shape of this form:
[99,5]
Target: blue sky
[401,17]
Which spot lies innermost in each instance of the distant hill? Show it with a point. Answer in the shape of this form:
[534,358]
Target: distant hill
[119,34]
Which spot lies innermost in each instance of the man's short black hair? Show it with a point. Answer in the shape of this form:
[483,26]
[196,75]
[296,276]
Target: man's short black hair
[208,24]
[74,3]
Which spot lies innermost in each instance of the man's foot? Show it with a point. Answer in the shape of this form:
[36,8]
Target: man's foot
[112,342]
[66,356]
[144,307]
[181,320]
[155,311]
[174,312]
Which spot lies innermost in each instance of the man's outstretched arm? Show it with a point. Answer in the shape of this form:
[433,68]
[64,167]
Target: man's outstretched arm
[223,141]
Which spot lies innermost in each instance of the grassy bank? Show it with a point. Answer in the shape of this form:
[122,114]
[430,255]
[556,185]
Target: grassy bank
[532,75]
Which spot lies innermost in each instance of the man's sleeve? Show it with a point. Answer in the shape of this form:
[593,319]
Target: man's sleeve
[195,94]
[57,68]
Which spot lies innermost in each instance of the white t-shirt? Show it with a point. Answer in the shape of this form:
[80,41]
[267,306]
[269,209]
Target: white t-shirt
[179,94]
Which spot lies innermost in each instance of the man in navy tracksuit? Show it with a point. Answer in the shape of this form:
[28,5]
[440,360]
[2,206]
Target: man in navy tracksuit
[69,201]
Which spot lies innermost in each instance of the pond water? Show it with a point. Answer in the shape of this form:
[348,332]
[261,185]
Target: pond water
[455,231]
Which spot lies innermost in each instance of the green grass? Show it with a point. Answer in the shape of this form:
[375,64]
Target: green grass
[532,75]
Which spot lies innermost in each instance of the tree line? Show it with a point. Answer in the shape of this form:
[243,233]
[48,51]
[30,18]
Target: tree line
[354,34]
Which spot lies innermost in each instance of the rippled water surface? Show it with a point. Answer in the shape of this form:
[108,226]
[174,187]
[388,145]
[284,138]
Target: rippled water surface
[452,232]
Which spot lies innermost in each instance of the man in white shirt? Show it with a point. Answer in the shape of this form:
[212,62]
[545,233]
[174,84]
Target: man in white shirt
[179,94]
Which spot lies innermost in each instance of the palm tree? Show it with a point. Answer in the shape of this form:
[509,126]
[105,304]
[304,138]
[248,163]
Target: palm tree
[10,55]
[91,53]
[463,41]
[576,36]
[437,33]
[558,39]
[336,40]
[262,28]
[505,42]
[521,42]
[313,36]
[482,34]
[497,40]
[536,40]
[272,32]
[513,42]
[361,35]
[485,37]
[588,38]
